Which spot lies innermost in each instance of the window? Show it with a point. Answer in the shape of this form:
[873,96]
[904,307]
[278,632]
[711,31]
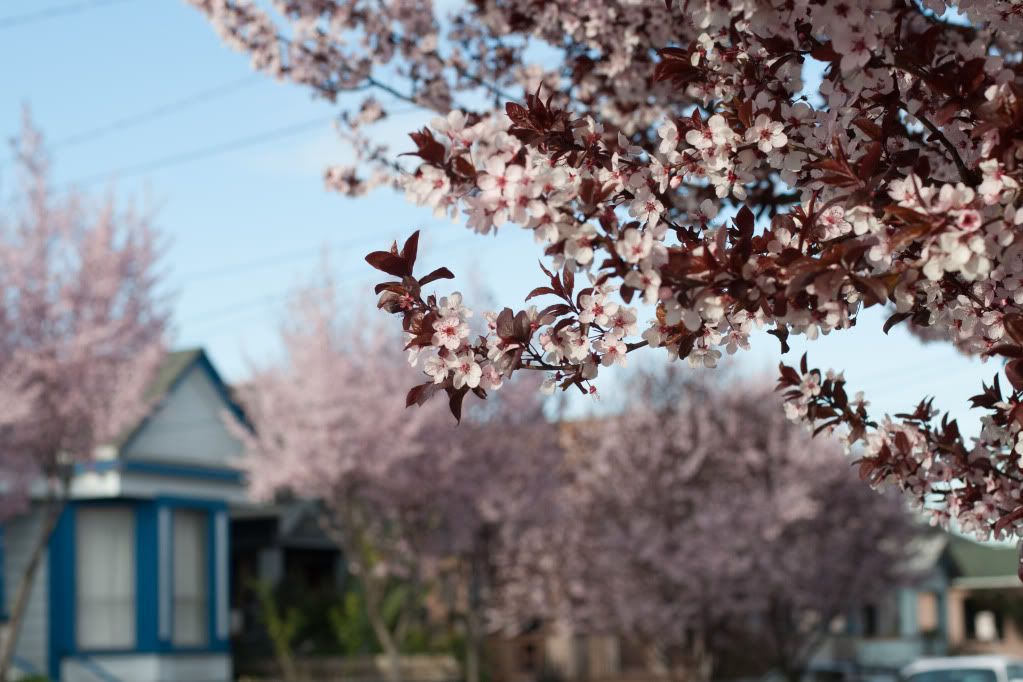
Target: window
[105,549]
[928,617]
[982,624]
[191,578]
[869,621]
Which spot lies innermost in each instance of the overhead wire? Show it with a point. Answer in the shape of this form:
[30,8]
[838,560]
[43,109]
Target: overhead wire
[157,112]
[202,152]
[216,317]
[208,151]
[54,12]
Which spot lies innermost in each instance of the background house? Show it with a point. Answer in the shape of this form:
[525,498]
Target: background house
[135,585]
[966,598]
[281,544]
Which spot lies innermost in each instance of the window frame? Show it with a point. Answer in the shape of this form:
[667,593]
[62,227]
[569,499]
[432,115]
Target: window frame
[208,517]
[128,508]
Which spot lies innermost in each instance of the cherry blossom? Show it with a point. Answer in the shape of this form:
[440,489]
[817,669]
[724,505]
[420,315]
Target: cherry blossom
[695,127]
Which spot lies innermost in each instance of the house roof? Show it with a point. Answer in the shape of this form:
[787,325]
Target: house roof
[925,551]
[975,560]
[175,366]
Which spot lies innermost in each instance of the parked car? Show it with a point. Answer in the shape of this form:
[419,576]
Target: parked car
[850,672]
[964,669]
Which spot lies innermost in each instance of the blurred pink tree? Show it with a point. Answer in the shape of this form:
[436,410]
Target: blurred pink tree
[82,329]
[701,518]
[405,494]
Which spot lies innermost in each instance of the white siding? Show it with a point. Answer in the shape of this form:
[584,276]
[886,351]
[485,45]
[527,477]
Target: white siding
[149,668]
[19,536]
[188,427]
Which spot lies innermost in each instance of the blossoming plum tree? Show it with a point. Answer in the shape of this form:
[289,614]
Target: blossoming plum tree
[671,152]
[82,330]
[652,544]
[403,494]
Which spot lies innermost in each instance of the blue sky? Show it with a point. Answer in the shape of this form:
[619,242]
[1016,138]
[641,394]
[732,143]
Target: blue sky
[246,226]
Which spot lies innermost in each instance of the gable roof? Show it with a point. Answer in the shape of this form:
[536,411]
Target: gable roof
[171,372]
[174,366]
[975,560]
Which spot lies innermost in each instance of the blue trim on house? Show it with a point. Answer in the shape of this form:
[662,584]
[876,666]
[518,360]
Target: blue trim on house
[62,591]
[97,670]
[163,469]
[211,506]
[147,585]
[62,581]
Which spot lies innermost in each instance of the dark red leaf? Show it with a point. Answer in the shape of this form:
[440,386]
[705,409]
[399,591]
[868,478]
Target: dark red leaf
[1014,372]
[518,114]
[557,310]
[455,398]
[463,167]
[1007,350]
[418,395]
[1014,325]
[788,375]
[428,149]
[825,53]
[410,250]
[894,320]
[744,221]
[869,128]
[1008,520]
[540,291]
[393,287]
[869,161]
[506,324]
[439,273]
[783,338]
[568,277]
[389,263]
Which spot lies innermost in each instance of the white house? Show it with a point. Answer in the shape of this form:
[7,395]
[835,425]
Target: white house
[134,586]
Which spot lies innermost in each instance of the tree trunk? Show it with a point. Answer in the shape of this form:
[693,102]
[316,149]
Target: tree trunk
[373,601]
[691,662]
[474,635]
[286,661]
[472,629]
[10,630]
[352,539]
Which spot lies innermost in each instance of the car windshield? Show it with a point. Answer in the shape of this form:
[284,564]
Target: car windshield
[955,675]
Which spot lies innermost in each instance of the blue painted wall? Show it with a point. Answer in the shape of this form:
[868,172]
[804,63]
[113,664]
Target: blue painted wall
[62,560]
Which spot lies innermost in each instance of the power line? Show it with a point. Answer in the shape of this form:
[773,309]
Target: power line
[276,260]
[203,152]
[15,20]
[195,155]
[213,318]
[157,112]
